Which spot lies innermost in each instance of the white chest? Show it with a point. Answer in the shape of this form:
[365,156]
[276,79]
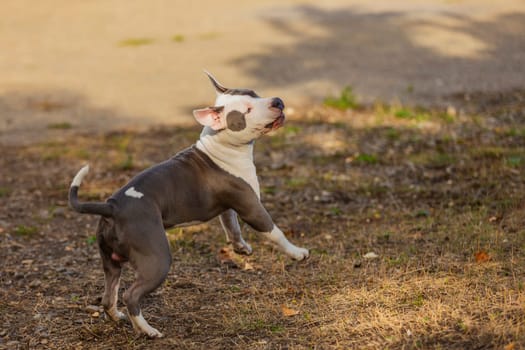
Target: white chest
[236,161]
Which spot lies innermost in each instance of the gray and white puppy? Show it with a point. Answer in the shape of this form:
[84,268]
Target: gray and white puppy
[214,177]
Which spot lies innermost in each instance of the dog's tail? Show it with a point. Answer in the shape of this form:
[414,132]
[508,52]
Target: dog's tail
[99,208]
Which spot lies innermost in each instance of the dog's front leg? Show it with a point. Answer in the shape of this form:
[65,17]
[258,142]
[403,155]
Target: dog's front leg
[253,212]
[276,236]
[230,224]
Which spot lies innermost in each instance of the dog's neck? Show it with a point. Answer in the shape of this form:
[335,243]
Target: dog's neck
[235,159]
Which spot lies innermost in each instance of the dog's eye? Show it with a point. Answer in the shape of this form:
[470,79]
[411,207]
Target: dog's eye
[248,110]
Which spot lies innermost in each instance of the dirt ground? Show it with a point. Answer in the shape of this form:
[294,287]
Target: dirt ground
[414,219]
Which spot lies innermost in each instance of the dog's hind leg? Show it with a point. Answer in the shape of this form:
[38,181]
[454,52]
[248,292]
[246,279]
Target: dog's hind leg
[112,270]
[230,224]
[152,265]
[151,272]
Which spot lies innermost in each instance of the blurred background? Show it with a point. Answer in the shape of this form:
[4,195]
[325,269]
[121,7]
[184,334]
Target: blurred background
[98,65]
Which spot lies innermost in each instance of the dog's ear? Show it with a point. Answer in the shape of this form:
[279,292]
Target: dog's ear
[218,87]
[210,116]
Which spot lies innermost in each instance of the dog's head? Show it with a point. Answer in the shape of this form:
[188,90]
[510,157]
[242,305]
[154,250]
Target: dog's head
[241,114]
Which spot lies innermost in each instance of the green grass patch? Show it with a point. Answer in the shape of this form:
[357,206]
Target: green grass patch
[53,150]
[418,300]
[422,213]
[398,261]
[434,159]
[4,192]
[296,182]
[269,190]
[346,100]
[392,134]
[175,231]
[136,42]
[119,141]
[411,114]
[26,231]
[178,38]
[514,161]
[446,117]
[91,240]
[291,129]
[127,163]
[336,211]
[53,155]
[60,126]
[462,326]
[263,325]
[384,237]
[513,132]
[82,153]
[490,152]
[364,158]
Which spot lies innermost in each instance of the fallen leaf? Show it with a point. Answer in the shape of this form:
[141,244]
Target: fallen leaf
[247,266]
[510,346]
[493,218]
[226,256]
[481,257]
[288,312]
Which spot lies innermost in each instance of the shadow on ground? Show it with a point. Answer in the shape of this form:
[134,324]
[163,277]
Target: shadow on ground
[394,55]
[31,116]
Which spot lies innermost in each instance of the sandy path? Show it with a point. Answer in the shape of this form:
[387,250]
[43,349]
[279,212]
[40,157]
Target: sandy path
[80,63]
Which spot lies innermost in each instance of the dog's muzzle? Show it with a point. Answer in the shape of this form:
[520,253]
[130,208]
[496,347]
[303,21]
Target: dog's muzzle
[277,105]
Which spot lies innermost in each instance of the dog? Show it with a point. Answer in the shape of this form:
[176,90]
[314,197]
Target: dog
[214,177]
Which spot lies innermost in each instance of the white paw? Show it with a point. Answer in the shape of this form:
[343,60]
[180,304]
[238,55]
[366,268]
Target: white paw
[298,253]
[141,326]
[153,333]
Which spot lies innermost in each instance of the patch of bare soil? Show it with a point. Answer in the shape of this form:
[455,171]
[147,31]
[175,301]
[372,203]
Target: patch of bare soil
[415,220]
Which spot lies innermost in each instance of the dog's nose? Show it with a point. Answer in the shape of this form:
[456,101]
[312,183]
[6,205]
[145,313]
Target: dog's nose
[277,103]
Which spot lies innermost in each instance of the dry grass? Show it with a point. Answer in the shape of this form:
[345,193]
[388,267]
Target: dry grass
[427,196]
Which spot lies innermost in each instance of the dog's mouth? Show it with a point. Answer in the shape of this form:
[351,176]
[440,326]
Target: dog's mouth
[277,123]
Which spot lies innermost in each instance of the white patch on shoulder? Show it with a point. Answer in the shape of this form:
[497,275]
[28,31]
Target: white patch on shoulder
[131,192]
